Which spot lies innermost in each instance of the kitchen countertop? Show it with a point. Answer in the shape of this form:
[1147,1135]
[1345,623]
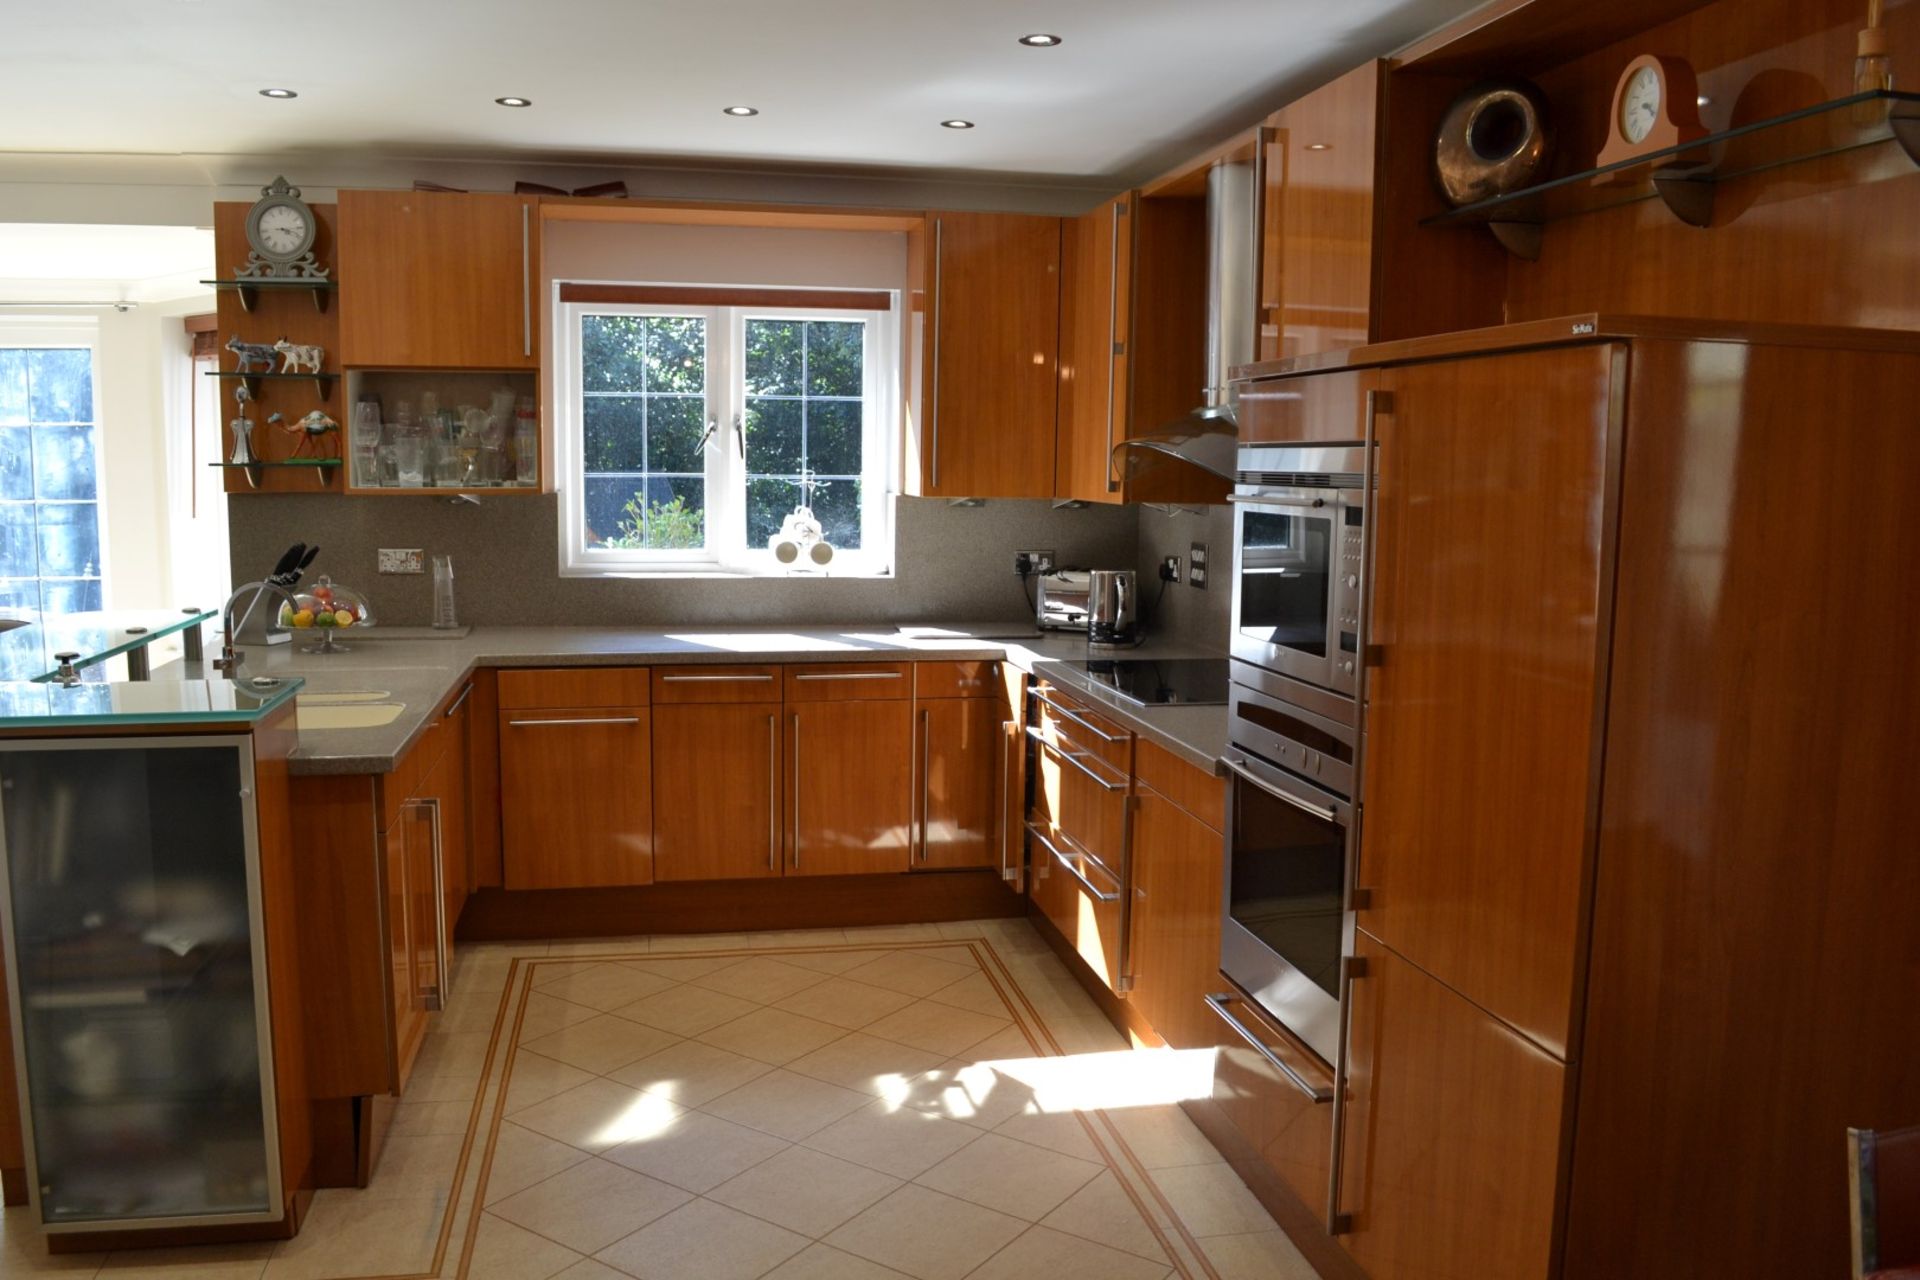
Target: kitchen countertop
[422,672]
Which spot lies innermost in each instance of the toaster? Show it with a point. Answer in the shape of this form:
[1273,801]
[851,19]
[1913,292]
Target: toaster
[1062,600]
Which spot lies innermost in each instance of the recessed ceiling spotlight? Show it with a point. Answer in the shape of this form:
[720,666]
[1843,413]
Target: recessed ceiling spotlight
[278,93]
[1319,146]
[1040,40]
[741,111]
[514,102]
[956,124]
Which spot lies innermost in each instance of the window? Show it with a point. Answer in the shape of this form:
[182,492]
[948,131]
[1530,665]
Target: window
[688,433]
[49,490]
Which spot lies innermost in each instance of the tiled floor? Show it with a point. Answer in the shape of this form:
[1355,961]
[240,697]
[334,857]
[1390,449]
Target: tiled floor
[934,1101]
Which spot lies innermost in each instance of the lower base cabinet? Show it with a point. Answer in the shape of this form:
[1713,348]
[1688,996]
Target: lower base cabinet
[576,791]
[1178,862]
[716,767]
[849,778]
[1275,1093]
[956,765]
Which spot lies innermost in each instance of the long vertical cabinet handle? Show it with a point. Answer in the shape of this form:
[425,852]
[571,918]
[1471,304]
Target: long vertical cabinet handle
[796,791]
[1128,804]
[933,410]
[436,996]
[773,794]
[1009,730]
[526,278]
[1338,1222]
[1113,327]
[926,778]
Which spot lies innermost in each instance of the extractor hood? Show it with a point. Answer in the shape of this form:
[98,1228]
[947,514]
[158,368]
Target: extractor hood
[1207,436]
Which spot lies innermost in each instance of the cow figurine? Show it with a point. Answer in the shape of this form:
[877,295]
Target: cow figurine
[309,430]
[253,357]
[295,354]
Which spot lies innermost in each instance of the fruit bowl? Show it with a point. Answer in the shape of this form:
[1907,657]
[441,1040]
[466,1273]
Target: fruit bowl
[326,608]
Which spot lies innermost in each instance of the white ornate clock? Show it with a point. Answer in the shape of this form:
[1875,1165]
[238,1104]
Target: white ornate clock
[281,227]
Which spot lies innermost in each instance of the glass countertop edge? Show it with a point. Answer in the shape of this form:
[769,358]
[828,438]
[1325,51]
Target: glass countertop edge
[51,630]
[249,705]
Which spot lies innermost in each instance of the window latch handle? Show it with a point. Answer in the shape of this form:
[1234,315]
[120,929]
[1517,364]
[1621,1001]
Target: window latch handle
[740,434]
[706,437]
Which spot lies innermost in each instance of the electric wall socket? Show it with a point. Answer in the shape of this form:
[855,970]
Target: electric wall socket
[402,560]
[1197,565]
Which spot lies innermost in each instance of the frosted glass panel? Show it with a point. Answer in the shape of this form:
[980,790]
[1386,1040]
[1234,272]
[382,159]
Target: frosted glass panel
[133,938]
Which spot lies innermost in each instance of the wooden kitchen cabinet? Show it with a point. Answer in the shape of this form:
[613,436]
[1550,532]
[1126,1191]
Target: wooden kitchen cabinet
[958,760]
[576,796]
[991,390]
[1096,302]
[1452,1136]
[1316,259]
[1179,858]
[438,280]
[1273,1093]
[716,768]
[849,773]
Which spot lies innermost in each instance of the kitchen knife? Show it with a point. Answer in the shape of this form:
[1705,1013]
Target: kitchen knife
[286,562]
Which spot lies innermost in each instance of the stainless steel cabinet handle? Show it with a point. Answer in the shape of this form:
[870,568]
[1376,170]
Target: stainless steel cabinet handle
[458,702]
[1241,771]
[711,679]
[527,724]
[933,410]
[1127,807]
[1218,1003]
[1066,862]
[926,778]
[526,278]
[796,791]
[435,996]
[1113,324]
[1073,758]
[1007,728]
[848,675]
[1082,721]
[1338,1223]
[773,793]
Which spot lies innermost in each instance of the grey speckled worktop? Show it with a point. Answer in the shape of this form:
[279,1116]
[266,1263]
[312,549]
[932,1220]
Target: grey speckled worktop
[421,672]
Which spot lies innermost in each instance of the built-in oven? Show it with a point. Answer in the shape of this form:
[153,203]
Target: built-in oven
[1298,558]
[1288,910]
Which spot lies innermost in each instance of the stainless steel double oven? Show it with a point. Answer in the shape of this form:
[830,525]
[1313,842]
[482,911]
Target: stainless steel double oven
[1299,593]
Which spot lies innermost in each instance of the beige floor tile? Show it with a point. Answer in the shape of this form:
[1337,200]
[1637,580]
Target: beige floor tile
[773,1036]
[805,1191]
[938,1028]
[606,986]
[503,1251]
[787,1105]
[899,1141]
[926,1234]
[912,973]
[697,1152]
[690,1072]
[1009,1042]
[1026,1181]
[470,1010]
[972,1093]
[589,1269]
[828,961]
[23,1250]
[452,1053]
[198,1262]
[661,944]
[798,938]
[353,1233]
[864,1062]
[421,1166]
[632,944]
[603,1043]
[1103,1212]
[1162,1137]
[845,1004]
[975,993]
[1258,1255]
[544,1014]
[1050,1254]
[551,971]
[459,1088]
[1211,1200]
[521,1158]
[678,968]
[895,933]
[824,1262]
[686,1010]
[966,930]
[424,1119]
[599,1114]
[536,1078]
[704,1241]
[1062,1131]
[761,979]
[590,1205]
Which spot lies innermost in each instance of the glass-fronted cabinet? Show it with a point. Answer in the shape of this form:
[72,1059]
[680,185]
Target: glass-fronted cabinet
[136,971]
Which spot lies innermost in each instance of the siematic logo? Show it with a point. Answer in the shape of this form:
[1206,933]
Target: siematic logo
[1582,328]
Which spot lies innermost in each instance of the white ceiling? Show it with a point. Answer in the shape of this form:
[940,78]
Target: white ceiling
[1137,85]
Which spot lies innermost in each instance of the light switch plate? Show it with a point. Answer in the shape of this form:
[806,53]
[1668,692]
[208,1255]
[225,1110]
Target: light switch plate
[402,560]
[1197,565]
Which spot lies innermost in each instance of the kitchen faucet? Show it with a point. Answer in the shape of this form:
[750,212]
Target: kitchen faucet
[228,663]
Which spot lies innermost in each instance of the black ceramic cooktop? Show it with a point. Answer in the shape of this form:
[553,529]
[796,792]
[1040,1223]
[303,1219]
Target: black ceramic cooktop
[1159,682]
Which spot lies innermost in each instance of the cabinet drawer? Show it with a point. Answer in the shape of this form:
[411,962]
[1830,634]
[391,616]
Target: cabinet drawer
[956,679]
[1085,802]
[1076,728]
[1200,793]
[716,684]
[1082,898]
[848,681]
[574,687]
[1328,407]
[1288,1121]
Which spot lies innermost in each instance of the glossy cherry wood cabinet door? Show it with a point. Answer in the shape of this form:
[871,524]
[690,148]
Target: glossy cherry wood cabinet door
[1488,632]
[576,797]
[956,762]
[848,784]
[1755,978]
[716,768]
[1452,1137]
[992,384]
[439,280]
[1096,255]
[1178,862]
[1286,1128]
[1316,258]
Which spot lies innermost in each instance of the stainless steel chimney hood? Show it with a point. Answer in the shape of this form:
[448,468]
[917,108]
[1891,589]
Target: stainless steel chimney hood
[1207,436]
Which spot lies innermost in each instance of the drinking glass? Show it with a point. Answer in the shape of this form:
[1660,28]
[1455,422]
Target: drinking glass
[409,457]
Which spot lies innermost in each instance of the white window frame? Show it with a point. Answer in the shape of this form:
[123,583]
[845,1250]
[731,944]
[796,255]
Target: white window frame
[727,554]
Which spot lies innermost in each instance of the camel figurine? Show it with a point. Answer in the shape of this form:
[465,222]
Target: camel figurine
[309,430]
[295,354]
[251,354]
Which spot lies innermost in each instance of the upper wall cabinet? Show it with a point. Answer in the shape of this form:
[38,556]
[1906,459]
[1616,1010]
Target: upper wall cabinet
[1096,255]
[992,384]
[1316,260]
[440,280]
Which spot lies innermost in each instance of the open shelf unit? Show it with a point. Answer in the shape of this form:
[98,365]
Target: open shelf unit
[322,382]
[249,290]
[323,469]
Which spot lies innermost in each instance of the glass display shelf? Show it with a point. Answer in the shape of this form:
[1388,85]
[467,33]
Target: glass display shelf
[96,637]
[1685,176]
[322,382]
[322,290]
[324,469]
[39,704]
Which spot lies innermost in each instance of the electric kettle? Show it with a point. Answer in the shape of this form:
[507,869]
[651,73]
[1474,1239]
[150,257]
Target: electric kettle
[1113,609]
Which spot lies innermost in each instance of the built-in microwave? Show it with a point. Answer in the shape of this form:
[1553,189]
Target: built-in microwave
[1298,558]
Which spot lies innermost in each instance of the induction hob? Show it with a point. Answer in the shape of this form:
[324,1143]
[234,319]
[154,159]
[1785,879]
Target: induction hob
[1153,682]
